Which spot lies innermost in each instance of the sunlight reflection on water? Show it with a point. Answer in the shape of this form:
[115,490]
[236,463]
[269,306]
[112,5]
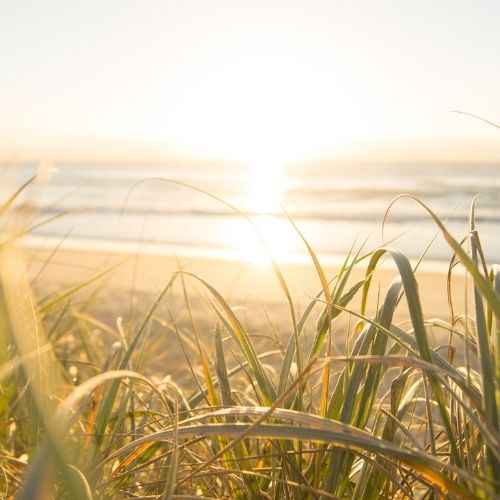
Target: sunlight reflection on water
[278,234]
[266,188]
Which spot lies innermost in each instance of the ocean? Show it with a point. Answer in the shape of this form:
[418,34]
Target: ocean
[336,206]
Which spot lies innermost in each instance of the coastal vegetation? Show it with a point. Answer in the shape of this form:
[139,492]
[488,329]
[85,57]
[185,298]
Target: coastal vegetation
[90,406]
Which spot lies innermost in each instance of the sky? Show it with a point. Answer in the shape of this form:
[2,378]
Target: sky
[241,79]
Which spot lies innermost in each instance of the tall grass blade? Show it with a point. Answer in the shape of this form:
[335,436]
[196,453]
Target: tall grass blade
[482,283]
[244,342]
[485,356]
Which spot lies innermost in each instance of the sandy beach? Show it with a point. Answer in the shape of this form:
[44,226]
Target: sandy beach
[238,282]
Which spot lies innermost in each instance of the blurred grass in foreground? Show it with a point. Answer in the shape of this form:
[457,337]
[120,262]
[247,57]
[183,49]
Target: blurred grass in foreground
[83,417]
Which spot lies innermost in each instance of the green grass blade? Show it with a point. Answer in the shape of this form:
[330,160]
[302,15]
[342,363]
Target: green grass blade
[244,342]
[417,318]
[485,356]
[495,281]
[492,298]
[221,369]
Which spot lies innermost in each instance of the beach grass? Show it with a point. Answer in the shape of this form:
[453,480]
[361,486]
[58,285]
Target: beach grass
[90,408]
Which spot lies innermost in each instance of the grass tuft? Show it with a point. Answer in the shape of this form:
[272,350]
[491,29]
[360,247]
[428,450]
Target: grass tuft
[93,408]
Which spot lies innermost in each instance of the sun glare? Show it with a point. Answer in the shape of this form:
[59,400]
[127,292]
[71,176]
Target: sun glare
[277,234]
[263,203]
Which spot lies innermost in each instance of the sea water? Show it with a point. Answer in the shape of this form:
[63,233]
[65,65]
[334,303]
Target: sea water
[337,207]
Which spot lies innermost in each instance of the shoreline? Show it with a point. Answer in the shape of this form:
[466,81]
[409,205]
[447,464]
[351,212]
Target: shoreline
[131,248]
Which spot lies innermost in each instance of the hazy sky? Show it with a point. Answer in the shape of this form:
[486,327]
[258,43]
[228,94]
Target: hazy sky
[248,78]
